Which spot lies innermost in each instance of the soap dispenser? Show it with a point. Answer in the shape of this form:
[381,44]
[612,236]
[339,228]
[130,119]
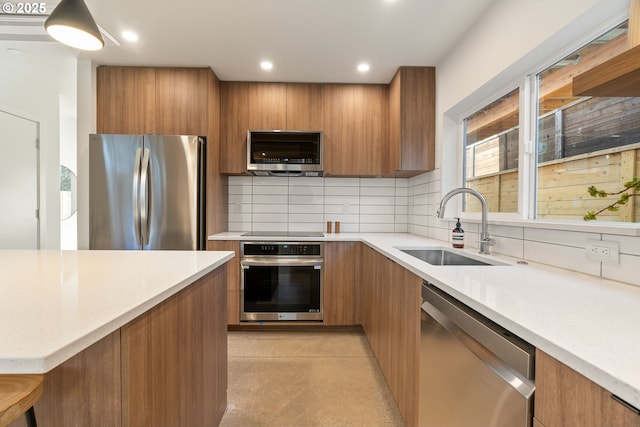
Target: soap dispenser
[457,236]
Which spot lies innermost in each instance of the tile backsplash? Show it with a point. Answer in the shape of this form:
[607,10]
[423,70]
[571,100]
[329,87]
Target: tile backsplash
[408,205]
[306,204]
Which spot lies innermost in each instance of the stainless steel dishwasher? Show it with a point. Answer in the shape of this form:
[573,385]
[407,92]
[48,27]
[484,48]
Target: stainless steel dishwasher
[472,371]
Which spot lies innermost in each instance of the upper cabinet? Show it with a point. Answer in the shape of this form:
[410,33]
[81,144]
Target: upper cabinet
[263,106]
[126,98]
[304,106]
[412,121]
[170,101]
[369,129]
[355,129]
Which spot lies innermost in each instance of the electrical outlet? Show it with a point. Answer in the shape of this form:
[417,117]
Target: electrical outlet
[346,208]
[602,251]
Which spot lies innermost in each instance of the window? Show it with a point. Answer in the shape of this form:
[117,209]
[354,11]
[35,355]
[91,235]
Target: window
[584,141]
[577,142]
[491,154]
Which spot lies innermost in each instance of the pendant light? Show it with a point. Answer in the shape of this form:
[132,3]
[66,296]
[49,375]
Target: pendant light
[71,23]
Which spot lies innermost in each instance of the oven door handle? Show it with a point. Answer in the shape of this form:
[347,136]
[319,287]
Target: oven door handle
[317,263]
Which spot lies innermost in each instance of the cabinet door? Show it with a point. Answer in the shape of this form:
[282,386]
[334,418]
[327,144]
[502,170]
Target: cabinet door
[341,265]
[356,124]
[412,121]
[233,277]
[566,398]
[182,101]
[389,301]
[304,106]
[234,123]
[126,99]
[267,106]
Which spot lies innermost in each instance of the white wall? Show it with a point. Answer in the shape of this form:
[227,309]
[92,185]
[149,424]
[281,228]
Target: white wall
[514,38]
[40,85]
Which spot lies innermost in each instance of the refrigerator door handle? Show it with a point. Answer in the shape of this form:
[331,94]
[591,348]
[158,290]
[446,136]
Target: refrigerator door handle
[136,196]
[144,197]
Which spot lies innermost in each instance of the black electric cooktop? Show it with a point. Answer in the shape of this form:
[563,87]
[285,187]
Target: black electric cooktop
[284,234]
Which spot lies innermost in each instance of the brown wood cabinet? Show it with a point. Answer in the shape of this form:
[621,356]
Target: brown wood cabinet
[355,129]
[263,106]
[304,106]
[126,98]
[566,398]
[412,121]
[167,367]
[390,316]
[169,101]
[341,267]
[233,277]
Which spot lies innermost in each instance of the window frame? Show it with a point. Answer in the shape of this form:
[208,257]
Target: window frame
[528,153]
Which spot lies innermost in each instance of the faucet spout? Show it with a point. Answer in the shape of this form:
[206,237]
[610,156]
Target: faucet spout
[485,240]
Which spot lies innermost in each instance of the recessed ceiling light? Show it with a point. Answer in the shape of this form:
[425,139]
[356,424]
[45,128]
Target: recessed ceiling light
[130,36]
[266,65]
[363,68]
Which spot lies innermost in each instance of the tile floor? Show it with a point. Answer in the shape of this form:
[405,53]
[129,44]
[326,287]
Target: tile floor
[305,379]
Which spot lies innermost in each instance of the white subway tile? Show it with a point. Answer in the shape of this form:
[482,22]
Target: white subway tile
[342,182]
[401,210]
[349,228]
[268,226]
[239,226]
[402,182]
[401,219]
[306,226]
[571,258]
[508,246]
[378,191]
[340,200]
[240,198]
[507,231]
[240,217]
[342,191]
[628,245]
[260,208]
[369,200]
[306,191]
[310,217]
[240,180]
[377,182]
[268,199]
[306,181]
[341,209]
[343,218]
[376,219]
[400,228]
[567,238]
[377,209]
[306,199]
[402,192]
[626,271]
[240,189]
[376,228]
[270,181]
[305,209]
[270,218]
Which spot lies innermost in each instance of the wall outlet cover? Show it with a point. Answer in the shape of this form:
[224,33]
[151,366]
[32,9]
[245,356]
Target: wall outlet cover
[604,251]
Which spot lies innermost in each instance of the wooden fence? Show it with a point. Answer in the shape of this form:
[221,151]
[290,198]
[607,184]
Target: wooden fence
[563,184]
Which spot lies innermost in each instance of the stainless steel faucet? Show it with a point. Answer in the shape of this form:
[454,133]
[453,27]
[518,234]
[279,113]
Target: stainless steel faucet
[485,241]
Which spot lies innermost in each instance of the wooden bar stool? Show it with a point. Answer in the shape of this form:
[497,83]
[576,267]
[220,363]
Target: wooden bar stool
[18,394]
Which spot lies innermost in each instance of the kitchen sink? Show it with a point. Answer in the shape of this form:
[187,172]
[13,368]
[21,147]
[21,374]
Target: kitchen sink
[441,256]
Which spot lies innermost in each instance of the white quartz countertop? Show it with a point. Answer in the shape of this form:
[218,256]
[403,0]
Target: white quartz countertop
[54,304]
[588,323]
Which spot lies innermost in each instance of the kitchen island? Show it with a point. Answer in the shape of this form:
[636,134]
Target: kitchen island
[128,338]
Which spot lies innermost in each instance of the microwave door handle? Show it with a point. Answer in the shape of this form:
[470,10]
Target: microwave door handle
[286,173]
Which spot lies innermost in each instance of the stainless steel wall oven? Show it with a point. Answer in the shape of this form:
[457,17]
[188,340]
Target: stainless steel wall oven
[281,281]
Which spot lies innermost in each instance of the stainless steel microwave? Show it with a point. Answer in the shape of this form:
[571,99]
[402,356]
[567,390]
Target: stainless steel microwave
[284,153]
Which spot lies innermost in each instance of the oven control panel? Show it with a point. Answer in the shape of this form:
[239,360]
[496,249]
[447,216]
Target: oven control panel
[281,249]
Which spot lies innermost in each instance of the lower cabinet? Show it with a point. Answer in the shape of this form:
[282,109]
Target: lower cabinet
[341,267]
[389,310]
[566,398]
[233,277]
[167,367]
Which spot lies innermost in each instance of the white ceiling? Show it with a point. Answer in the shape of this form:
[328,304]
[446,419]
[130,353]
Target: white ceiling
[307,40]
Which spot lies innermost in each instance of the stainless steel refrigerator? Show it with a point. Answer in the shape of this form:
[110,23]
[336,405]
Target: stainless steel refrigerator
[147,192]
